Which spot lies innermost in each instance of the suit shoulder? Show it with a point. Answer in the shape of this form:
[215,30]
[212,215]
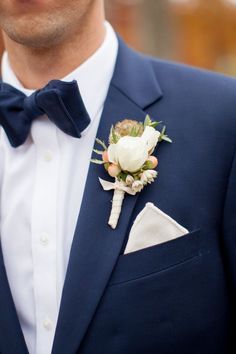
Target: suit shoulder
[187,81]
[209,96]
[191,76]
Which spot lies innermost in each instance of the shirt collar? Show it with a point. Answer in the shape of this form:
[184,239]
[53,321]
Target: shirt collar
[93,76]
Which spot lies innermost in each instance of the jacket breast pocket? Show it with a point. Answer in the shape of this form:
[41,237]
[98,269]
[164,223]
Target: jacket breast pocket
[157,258]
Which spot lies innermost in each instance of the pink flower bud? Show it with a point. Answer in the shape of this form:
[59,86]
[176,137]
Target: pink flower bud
[153,160]
[105,156]
[114,170]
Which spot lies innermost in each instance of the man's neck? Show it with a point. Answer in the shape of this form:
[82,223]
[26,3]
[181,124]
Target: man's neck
[35,67]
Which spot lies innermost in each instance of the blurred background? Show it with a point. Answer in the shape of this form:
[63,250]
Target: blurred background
[197,32]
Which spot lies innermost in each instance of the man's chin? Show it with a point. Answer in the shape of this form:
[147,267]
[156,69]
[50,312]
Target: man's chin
[33,33]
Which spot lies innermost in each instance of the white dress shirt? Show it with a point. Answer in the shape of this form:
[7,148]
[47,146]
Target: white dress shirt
[42,184]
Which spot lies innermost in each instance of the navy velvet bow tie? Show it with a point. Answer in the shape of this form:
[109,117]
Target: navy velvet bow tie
[60,101]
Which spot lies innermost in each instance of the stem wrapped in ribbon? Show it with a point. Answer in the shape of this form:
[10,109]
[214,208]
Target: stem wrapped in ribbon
[119,193]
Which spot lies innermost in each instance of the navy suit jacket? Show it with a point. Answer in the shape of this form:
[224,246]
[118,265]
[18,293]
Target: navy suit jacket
[178,297]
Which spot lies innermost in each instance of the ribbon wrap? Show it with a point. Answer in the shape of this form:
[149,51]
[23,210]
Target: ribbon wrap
[117,185]
[120,188]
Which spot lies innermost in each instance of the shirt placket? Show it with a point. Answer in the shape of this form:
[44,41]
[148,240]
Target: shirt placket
[44,232]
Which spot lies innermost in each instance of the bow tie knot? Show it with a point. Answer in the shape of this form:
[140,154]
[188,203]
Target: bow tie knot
[31,108]
[60,101]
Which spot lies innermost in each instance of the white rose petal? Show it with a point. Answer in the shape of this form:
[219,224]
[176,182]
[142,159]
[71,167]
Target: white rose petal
[130,152]
[112,153]
[151,136]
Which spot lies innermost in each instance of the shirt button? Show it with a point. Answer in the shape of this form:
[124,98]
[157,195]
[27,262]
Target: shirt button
[48,156]
[44,239]
[47,324]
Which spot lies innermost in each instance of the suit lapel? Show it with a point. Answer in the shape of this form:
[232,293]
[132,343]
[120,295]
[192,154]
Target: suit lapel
[11,336]
[96,246]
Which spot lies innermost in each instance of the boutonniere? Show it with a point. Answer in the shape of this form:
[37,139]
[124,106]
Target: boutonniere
[129,159]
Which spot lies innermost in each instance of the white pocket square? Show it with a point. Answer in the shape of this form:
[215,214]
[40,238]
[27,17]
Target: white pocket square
[152,227]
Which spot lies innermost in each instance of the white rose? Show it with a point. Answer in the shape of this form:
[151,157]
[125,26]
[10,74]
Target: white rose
[130,153]
[151,136]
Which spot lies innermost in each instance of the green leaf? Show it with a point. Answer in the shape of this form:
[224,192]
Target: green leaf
[164,136]
[106,165]
[148,165]
[140,130]
[154,124]
[134,132]
[98,162]
[99,152]
[100,142]
[114,136]
[163,130]
[147,121]
[122,176]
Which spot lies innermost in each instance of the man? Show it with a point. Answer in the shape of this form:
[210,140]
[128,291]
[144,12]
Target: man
[67,285]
